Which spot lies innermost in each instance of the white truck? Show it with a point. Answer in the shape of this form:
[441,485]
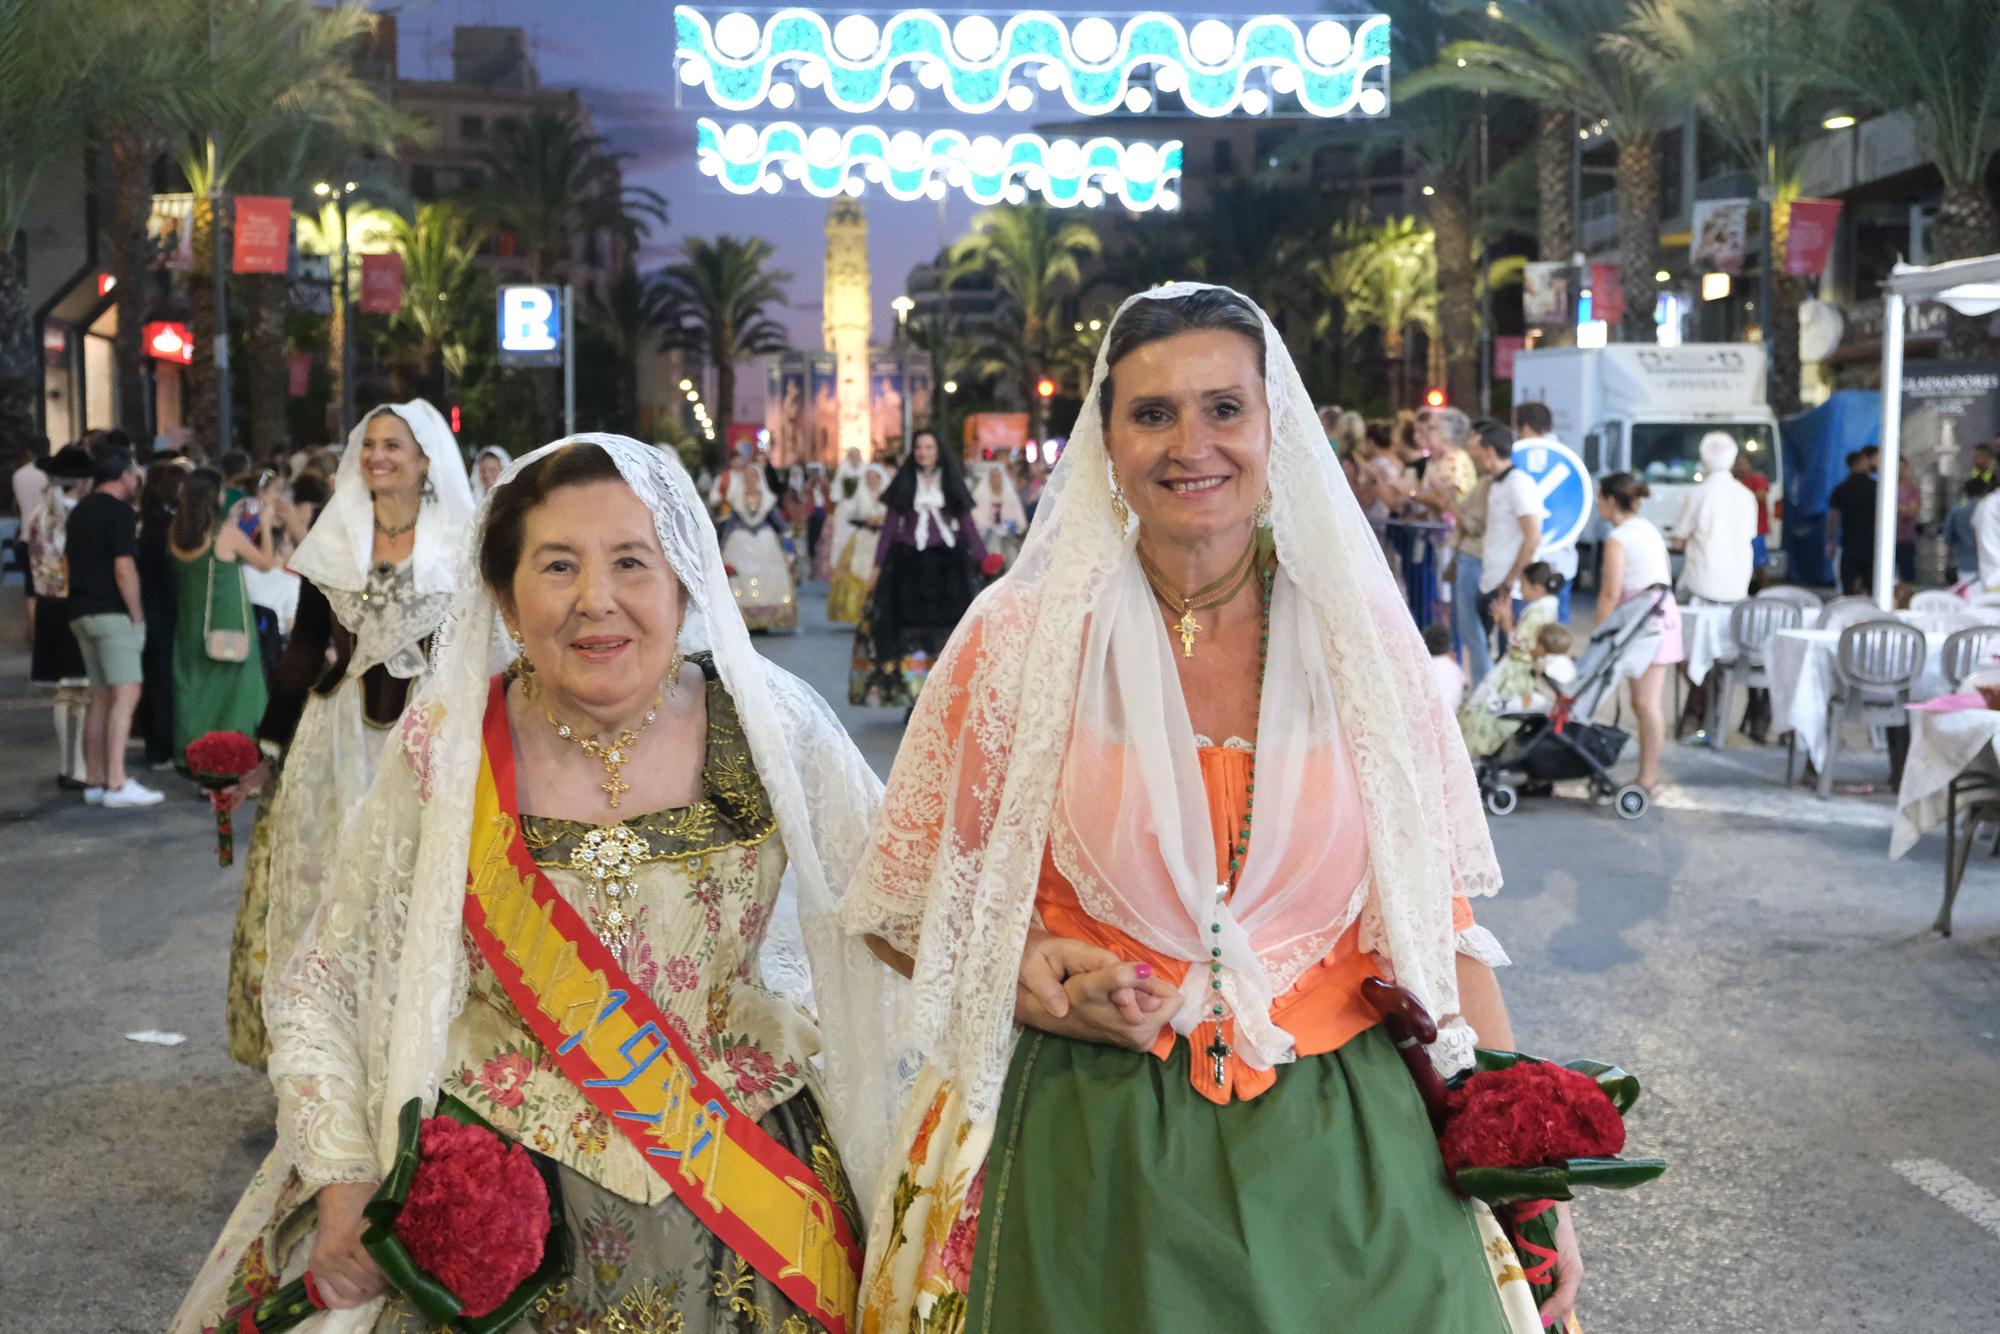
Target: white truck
[1633,407]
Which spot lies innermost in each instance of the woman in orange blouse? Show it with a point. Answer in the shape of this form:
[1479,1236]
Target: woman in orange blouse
[1137,887]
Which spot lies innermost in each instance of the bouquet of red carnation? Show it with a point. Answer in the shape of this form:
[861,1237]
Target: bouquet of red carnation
[468,1227]
[1521,1134]
[218,761]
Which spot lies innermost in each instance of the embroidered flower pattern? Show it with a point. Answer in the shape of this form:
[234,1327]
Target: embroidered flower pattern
[754,1068]
[501,1079]
[681,974]
[590,1132]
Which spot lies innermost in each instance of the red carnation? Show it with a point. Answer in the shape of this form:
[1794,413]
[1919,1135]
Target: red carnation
[477,1213]
[1528,1114]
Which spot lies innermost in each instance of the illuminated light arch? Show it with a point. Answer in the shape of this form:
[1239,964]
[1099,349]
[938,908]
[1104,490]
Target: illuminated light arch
[1327,66]
[749,159]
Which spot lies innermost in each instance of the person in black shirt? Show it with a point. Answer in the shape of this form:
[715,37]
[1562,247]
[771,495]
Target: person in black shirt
[109,622]
[1850,524]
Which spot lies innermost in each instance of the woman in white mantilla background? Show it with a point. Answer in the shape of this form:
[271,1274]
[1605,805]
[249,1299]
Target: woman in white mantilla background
[753,546]
[378,570]
[855,530]
[996,508]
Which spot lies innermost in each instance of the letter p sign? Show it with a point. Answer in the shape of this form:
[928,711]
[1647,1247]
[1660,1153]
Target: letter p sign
[530,325]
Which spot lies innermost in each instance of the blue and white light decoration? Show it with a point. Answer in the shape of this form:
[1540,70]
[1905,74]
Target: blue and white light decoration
[1330,66]
[748,159]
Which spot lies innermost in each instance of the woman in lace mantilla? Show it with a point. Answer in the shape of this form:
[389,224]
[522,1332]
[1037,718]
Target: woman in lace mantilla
[376,572]
[703,858]
[1178,787]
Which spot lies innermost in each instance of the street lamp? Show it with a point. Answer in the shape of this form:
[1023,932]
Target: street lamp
[339,196]
[951,386]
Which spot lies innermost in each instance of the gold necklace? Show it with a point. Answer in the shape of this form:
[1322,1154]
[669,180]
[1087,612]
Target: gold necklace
[1202,599]
[611,755]
[394,532]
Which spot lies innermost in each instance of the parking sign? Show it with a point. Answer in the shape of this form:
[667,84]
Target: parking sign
[530,325]
[1568,493]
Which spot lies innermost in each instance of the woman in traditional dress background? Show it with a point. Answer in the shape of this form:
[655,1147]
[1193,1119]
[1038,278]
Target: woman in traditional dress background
[209,556]
[706,859]
[753,546]
[378,567]
[1190,786]
[856,528]
[487,465]
[55,660]
[927,567]
[997,510]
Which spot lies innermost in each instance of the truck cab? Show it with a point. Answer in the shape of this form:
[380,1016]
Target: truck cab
[1641,409]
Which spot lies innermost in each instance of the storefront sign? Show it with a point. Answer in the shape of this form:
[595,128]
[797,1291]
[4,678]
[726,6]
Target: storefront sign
[1810,240]
[263,234]
[994,433]
[381,284]
[530,325]
[169,340]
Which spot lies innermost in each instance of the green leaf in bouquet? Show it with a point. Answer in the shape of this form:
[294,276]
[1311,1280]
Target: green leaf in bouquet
[1618,1085]
[433,1300]
[1555,1181]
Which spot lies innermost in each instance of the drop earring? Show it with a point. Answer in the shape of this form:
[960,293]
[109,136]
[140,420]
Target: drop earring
[522,669]
[1120,511]
[1261,516]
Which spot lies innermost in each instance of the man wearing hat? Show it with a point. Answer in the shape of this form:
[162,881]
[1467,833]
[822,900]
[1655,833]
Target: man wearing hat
[109,622]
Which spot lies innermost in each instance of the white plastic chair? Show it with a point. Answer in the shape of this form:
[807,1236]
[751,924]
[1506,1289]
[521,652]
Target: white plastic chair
[1807,601]
[1938,599]
[1941,622]
[1843,612]
[1874,667]
[1752,622]
[1986,599]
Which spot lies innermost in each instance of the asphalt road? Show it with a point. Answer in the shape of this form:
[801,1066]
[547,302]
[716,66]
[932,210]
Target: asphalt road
[1822,1072]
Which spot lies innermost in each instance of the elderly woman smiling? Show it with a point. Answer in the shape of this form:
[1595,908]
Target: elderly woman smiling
[653,785]
[1184,788]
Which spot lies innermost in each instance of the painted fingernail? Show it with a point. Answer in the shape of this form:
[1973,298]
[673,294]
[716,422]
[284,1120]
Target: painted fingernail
[1549,1320]
[1144,970]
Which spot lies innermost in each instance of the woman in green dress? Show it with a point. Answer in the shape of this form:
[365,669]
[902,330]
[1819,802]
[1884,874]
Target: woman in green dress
[214,693]
[1179,788]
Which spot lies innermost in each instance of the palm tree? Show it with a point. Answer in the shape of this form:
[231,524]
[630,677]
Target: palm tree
[547,182]
[443,289]
[1555,56]
[42,55]
[717,298]
[1677,42]
[270,69]
[1035,258]
[1940,61]
[1385,278]
[634,317]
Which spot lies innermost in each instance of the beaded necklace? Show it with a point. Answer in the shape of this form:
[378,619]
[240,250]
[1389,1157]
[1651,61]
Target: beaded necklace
[1218,1051]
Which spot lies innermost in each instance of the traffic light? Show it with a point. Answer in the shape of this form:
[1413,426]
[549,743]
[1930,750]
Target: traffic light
[456,424]
[1045,387]
[1434,398]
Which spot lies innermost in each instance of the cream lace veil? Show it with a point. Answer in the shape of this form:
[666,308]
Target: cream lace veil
[979,791]
[359,1018]
[335,553]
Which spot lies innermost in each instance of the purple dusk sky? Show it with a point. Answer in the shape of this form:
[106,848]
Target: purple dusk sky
[620,54]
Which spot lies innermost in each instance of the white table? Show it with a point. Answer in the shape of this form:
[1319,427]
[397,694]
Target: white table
[1802,684]
[1705,637]
[1942,746]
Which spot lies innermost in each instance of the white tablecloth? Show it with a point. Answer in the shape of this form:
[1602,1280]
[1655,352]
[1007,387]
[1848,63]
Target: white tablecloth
[1801,663]
[1942,746]
[1705,633]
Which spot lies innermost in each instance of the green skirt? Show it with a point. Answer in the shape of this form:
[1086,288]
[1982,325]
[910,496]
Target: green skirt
[1118,1199]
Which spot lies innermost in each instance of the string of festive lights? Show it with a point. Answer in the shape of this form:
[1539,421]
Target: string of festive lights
[748,159]
[1327,66]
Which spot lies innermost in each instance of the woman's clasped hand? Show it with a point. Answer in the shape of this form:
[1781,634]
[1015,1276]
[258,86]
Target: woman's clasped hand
[1079,990]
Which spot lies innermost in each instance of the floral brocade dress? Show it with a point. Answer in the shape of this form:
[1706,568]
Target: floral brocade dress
[694,890]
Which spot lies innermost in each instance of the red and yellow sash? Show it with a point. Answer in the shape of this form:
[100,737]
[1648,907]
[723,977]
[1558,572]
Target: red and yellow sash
[610,1039]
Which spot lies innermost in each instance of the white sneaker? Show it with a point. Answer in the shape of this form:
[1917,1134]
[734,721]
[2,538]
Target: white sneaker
[93,796]
[134,793]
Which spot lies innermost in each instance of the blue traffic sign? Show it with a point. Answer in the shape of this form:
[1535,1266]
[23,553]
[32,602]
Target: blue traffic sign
[1568,493]
[531,325]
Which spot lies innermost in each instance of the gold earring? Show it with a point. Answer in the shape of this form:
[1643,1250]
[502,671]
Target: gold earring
[1119,509]
[674,665]
[522,669]
[1261,516]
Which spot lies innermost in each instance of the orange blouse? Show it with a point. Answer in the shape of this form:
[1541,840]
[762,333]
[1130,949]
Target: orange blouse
[1322,1010]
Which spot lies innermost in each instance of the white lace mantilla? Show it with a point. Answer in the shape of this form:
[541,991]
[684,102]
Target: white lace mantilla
[389,619]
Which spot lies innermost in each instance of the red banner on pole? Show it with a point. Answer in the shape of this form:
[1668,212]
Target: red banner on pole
[298,370]
[1811,239]
[1607,293]
[263,234]
[1505,348]
[381,284]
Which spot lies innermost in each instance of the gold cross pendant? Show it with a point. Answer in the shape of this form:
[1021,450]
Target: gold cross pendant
[1189,627]
[613,788]
[1219,1053]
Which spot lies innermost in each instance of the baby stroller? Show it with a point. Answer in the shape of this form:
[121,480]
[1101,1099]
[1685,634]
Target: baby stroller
[1563,743]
